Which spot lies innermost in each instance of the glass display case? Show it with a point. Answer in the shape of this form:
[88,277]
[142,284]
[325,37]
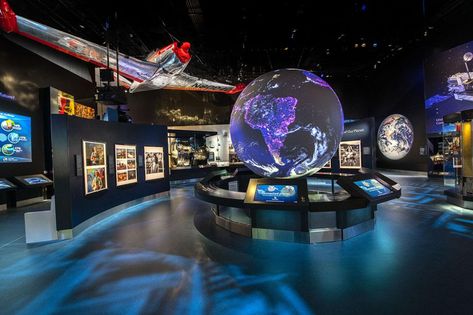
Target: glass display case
[187,149]
[452,153]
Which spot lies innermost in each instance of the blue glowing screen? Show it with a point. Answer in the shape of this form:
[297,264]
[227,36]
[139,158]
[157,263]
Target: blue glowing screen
[15,138]
[276,193]
[372,187]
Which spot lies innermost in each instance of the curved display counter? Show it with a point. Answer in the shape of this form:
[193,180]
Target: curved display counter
[318,216]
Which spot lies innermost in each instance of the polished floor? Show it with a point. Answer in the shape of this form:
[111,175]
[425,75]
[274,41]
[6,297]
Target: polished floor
[165,257]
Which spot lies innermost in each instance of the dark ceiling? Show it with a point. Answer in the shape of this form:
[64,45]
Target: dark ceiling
[238,40]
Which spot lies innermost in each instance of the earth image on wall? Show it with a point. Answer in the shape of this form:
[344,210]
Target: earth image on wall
[395,136]
[286,123]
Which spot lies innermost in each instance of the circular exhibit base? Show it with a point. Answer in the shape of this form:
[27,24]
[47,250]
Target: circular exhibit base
[325,216]
[323,226]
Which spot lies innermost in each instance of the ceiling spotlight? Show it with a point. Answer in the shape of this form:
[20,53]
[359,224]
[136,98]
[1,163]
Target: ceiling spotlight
[375,45]
[363,45]
[286,48]
[356,45]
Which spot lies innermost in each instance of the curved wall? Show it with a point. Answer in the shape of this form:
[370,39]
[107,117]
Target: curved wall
[72,205]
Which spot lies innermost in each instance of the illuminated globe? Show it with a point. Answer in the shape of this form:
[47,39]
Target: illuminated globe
[395,137]
[286,124]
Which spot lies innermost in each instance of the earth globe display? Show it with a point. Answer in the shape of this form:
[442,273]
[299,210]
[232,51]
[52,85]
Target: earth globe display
[395,137]
[287,123]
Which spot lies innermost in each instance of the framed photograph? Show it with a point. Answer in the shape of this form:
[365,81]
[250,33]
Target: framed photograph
[95,166]
[154,163]
[350,154]
[125,164]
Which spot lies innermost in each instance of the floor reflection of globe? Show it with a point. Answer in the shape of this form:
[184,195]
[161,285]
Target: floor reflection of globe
[286,123]
[395,137]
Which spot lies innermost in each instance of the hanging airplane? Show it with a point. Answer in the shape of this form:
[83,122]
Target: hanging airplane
[162,69]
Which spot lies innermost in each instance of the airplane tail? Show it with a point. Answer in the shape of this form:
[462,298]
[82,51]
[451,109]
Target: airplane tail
[8,21]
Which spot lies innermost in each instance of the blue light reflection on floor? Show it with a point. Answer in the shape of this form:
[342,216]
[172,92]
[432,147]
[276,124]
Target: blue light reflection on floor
[151,259]
[115,279]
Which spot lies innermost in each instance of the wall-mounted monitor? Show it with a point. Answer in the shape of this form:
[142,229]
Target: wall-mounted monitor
[15,138]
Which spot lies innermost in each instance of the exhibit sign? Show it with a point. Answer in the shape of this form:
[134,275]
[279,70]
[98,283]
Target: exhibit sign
[395,137]
[15,138]
[154,163]
[276,193]
[372,187]
[125,164]
[95,166]
[349,154]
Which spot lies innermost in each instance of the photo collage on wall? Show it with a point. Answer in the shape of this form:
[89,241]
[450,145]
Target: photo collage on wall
[125,163]
[95,166]
[154,163]
[350,154]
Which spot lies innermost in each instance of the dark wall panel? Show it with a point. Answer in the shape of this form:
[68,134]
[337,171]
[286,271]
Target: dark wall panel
[21,74]
[73,206]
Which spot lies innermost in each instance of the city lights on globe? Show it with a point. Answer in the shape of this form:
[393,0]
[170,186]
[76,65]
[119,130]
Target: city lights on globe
[395,137]
[286,123]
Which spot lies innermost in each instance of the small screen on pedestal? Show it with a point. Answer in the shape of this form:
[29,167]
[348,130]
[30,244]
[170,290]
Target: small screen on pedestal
[276,193]
[373,188]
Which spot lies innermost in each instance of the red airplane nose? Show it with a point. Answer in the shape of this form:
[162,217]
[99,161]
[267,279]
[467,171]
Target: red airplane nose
[7,18]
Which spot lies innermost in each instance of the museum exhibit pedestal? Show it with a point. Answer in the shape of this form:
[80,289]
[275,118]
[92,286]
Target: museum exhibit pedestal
[322,217]
[296,226]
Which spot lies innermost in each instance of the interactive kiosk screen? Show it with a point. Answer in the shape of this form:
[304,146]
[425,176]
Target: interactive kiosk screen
[34,180]
[5,184]
[372,187]
[276,193]
[279,193]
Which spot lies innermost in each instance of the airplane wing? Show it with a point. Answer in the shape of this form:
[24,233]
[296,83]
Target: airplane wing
[184,81]
[161,70]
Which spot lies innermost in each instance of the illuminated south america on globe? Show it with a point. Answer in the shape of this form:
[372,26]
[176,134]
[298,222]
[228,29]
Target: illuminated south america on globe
[286,123]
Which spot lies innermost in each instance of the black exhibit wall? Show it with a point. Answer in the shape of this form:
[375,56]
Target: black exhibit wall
[21,74]
[180,108]
[72,205]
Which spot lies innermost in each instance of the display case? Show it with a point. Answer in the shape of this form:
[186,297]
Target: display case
[459,159]
[451,156]
[188,149]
